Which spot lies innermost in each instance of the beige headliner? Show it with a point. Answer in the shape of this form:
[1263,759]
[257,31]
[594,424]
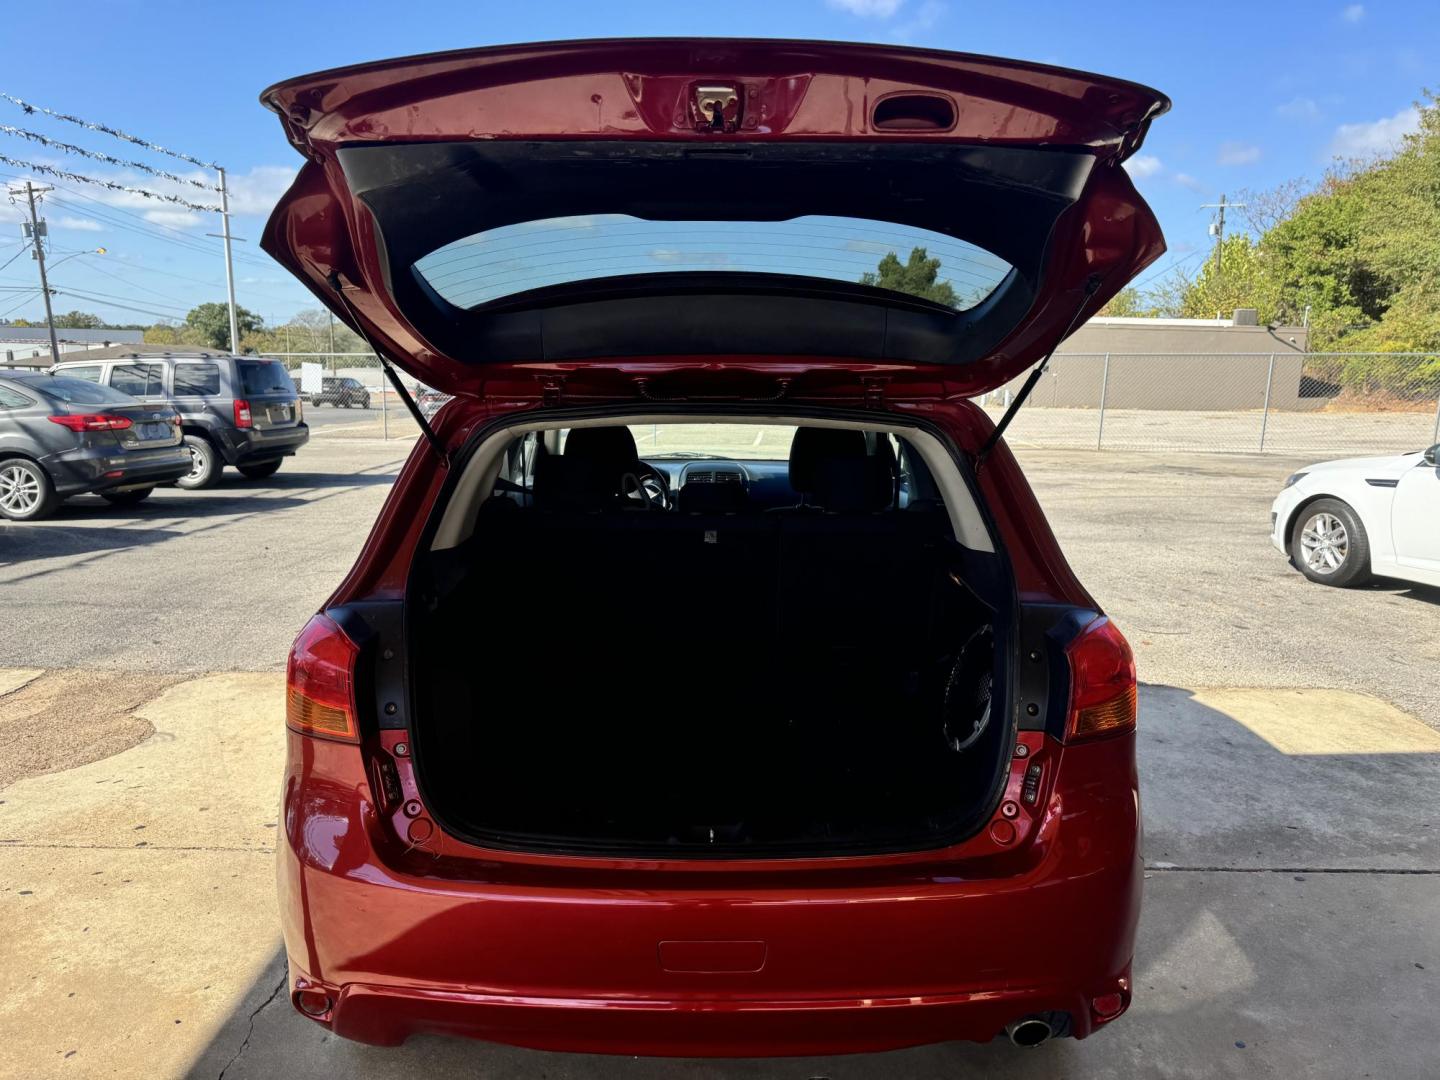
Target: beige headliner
[478,479]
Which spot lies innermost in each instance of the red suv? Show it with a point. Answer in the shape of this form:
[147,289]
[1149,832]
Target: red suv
[711,682]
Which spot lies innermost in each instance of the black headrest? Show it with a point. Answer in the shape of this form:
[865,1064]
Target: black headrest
[607,448]
[837,469]
[590,474]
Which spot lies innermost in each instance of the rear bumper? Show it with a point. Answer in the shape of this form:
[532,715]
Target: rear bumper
[253,445]
[76,472]
[715,1027]
[858,955]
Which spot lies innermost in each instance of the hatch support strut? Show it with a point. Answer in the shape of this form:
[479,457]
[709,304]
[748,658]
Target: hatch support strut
[1092,283]
[388,367]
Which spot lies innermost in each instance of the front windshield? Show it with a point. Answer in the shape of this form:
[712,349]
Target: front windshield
[694,442]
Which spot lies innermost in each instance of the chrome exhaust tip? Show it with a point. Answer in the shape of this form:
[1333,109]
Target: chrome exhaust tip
[1029,1031]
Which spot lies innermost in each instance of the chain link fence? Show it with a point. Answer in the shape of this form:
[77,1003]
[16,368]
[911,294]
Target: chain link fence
[385,416]
[1287,402]
[1238,403]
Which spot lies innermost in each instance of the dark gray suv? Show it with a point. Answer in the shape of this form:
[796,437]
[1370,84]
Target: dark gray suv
[236,410]
[61,436]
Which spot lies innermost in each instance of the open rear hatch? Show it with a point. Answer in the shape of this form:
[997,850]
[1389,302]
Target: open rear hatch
[622,214]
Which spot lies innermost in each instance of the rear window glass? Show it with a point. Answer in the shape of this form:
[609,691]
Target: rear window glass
[264,377]
[79,392]
[197,379]
[897,258]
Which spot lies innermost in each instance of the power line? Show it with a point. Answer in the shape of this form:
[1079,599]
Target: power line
[65,174]
[106,129]
[34,293]
[71,148]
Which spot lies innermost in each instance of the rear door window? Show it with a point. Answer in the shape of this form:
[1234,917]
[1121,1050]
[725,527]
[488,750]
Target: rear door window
[197,380]
[13,399]
[139,380]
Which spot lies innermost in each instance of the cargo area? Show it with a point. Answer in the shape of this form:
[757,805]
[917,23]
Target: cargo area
[785,656]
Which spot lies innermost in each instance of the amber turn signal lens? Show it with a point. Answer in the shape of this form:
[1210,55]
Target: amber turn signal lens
[1113,715]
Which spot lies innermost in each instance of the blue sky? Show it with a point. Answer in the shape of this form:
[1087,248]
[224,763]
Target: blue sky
[1263,92]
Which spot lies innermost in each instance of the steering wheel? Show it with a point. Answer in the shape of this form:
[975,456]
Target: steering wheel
[654,486]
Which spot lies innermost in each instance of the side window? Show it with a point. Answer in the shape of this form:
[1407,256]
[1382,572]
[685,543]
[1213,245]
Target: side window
[90,373]
[13,399]
[138,380]
[200,380]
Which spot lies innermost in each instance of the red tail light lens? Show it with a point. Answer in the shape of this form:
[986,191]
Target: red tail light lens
[1102,683]
[242,413]
[320,682]
[91,422]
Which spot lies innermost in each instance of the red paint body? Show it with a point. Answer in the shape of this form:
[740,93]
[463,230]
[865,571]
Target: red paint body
[862,953]
[404,928]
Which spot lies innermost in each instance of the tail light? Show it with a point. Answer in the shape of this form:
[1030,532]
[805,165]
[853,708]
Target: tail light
[91,422]
[320,682]
[1102,683]
[242,413]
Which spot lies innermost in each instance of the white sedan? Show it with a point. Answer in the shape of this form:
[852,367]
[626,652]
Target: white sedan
[1342,521]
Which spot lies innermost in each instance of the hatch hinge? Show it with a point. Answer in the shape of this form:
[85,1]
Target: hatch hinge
[552,388]
[874,393]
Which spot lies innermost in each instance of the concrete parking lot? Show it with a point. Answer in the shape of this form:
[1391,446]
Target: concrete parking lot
[1290,744]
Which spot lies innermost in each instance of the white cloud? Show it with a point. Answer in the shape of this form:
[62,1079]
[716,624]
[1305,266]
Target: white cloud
[175,219]
[257,191]
[78,224]
[1185,180]
[1381,136]
[925,19]
[1238,153]
[1142,166]
[1300,108]
[1353,13]
[867,9]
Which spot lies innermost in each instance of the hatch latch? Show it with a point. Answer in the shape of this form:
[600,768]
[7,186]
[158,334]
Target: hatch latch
[715,107]
[874,393]
[551,388]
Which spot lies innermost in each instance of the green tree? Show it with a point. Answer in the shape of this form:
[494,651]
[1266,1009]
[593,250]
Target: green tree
[917,276]
[78,320]
[1239,275]
[212,322]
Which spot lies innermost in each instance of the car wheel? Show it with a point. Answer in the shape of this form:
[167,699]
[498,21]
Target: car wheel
[259,471]
[1329,544]
[26,493]
[205,464]
[126,498]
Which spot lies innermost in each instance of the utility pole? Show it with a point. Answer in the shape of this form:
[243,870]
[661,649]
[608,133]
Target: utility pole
[36,233]
[229,263]
[1217,229]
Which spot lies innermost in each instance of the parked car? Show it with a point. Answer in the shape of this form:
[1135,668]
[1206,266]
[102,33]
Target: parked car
[61,436]
[429,401]
[235,410]
[596,749]
[1343,521]
[340,392]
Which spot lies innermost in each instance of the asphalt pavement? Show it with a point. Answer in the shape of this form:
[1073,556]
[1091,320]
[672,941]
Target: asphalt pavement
[1288,743]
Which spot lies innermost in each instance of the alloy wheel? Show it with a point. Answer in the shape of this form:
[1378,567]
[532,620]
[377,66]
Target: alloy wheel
[19,489]
[1325,543]
[197,465]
